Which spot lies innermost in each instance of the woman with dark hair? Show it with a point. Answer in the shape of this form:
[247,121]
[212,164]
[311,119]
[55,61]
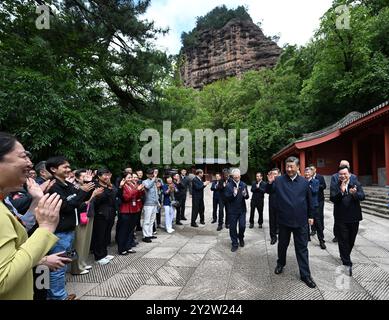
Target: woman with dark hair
[18,253]
[104,217]
[130,193]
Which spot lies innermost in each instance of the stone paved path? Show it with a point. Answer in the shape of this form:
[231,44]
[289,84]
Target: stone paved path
[196,263]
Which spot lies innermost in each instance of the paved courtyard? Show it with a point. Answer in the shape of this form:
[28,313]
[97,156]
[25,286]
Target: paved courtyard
[196,263]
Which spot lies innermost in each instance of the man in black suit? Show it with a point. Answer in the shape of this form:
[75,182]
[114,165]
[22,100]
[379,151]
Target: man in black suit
[198,197]
[346,195]
[295,211]
[334,182]
[225,203]
[258,190]
[236,193]
[216,187]
[185,182]
[273,220]
[318,225]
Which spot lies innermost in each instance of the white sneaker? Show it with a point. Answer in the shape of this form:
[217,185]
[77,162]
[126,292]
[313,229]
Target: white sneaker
[170,231]
[84,272]
[103,261]
[109,257]
[88,267]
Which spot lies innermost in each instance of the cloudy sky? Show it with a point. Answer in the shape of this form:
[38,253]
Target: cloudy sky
[293,20]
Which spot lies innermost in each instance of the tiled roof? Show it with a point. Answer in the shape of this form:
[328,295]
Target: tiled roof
[342,123]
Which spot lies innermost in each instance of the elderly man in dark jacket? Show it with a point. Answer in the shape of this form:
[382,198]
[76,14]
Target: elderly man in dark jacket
[346,196]
[295,211]
[236,193]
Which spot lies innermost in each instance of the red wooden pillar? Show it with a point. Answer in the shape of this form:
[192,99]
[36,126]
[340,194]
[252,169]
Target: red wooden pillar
[355,167]
[374,172]
[302,161]
[387,154]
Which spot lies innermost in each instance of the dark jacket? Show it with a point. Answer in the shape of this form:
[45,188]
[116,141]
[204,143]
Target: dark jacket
[347,207]
[217,187]
[294,200]
[180,194]
[335,179]
[237,204]
[72,199]
[322,186]
[258,193]
[197,188]
[21,200]
[105,204]
[314,185]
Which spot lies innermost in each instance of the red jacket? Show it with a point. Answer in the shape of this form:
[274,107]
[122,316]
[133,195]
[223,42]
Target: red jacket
[131,200]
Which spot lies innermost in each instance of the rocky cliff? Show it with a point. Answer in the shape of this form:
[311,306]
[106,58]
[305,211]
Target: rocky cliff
[230,51]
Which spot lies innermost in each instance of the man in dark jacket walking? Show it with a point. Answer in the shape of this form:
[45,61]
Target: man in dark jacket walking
[258,190]
[198,197]
[346,196]
[295,211]
[236,193]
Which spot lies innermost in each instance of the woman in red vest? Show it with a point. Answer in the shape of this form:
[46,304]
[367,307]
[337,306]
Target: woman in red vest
[131,195]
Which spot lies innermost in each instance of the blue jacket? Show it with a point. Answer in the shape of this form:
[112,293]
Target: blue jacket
[217,187]
[258,193]
[314,185]
[168,196]
[237,204]
[197,188]
[322,186]
[294,201]
[347,207]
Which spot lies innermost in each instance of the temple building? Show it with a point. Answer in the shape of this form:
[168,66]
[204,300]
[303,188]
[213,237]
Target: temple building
[363,139]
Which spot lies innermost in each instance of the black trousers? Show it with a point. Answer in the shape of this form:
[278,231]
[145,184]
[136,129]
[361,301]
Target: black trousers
[110,224]
[300,238]
[218,203]
[126,226]
[198,209]
[235,219]
[99,237]
[182,206]
[273,222]
[346,233]
[227,211]
[259,206]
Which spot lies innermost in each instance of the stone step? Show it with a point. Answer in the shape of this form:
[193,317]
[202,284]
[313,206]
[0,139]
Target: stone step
[377,201]
[375,213]
[383,210]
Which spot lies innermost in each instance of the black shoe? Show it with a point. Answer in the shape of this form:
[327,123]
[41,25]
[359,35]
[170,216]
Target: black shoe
[313,233]
[233,248]
[184,219]
[309,282]
[350,271]
[278,269]
[219,228]
[178,223]
[124,253]
[227,226]
[202,222]
[251,225]
[152,237]
[273,241]
[241,243]
[213,221]
[146,240]
[195,225]
[260,226]
[309,239]
[335,239]
[322,245]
